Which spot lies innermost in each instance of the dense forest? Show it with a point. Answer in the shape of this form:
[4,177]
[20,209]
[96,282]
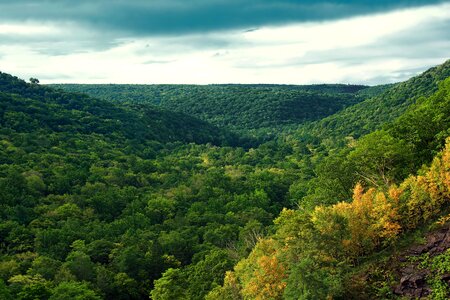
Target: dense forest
[178,192]
[255,109]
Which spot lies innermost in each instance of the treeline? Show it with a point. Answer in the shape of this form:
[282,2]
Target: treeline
[383,106]
[30,107]
[237,107]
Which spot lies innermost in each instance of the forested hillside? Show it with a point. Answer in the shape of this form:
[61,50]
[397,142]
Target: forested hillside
[98,200]
[122,199]
[384,106]
[325,251]
[238,107]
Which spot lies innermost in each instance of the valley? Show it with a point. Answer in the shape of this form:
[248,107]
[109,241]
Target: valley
[220,191]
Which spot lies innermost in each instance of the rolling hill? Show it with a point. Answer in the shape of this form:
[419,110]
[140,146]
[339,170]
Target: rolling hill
[124,199]
[238,107]
[374,112]
[25,107]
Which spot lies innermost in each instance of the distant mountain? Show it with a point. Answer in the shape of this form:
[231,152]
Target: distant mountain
[29,107]
[385,106]
[239,107]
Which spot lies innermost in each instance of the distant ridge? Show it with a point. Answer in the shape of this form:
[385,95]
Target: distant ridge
[235,106]
[371,114]
[46,108]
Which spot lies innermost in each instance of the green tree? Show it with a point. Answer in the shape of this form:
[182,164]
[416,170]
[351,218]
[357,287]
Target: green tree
[5,294]
[207,273]
[381,159]
[172,285]
[73,290]
[309,280]
[26,287]
[45,266]
[79,263]
[34,80]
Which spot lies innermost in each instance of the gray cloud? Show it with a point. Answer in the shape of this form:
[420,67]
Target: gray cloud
[418,47]
[424,41]
[174,17]
[184,25]
[59,45]
[222,37]
[396,76]
[152,62]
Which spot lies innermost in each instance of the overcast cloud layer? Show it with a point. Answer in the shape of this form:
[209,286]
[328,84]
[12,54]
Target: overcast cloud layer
[218,41]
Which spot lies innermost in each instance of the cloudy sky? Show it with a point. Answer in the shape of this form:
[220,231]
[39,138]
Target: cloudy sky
[222,41]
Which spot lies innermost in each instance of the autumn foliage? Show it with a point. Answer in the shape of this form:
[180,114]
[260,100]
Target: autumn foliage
[332,238]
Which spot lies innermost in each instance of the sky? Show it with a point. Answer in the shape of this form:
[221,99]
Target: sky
[222,41]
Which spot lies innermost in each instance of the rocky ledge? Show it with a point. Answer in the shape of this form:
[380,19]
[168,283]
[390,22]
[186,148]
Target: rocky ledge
[413,282]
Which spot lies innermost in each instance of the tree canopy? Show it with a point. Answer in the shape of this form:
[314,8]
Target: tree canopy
[126,199]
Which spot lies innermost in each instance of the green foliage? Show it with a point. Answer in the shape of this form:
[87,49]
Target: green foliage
[26,107]
[312,252]
[195,280]
[4,291]
[371,114]
[79,263]
[168,286]
[387,155]
[379,158]
[45,267]
[73,290]
[438,266]
[89,200]
[126,200]
[29,287]
[207,273]
[239,107]
[308,280]
[440,289]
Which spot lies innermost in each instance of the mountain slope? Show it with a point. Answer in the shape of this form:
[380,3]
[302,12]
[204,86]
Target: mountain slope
[240,107]
[110,200]
[319,252]
[372,113]
[25,107]
[103,198]
[384,156]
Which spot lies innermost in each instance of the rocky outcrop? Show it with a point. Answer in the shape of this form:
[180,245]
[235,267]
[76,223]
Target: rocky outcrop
[413,282]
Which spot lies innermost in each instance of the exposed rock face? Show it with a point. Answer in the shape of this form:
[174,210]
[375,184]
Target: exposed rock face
[413,283]
[413,280]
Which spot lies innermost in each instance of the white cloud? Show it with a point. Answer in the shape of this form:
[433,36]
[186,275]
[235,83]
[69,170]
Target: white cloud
[27,29]
[369,49]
